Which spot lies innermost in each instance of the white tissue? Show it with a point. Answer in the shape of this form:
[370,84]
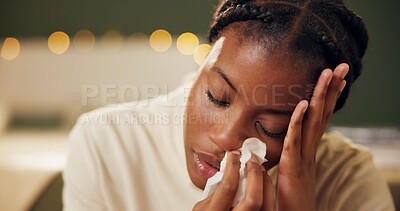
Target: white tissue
[249,145]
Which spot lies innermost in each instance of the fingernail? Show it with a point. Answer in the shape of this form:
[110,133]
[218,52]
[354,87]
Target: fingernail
[328,73]
[236,152]
[303,105]
[346,70]
[342,85]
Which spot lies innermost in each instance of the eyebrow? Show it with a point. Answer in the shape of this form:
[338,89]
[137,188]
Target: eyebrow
[222,74]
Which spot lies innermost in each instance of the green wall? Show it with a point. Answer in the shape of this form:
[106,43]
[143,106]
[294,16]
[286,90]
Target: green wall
[42,17]
[374,100]
[375,97]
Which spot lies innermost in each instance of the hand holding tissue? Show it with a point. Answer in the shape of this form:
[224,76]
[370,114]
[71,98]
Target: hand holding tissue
[250,145]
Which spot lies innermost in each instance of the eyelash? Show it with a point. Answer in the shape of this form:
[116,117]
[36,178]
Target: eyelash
[215,101]
[221,103]
[272,135]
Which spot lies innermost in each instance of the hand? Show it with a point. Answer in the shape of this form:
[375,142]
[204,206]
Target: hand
[297,166]
[259,193]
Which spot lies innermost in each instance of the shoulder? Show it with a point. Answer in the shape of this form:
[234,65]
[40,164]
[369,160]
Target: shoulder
[335,146]
[347,177]
[339,156]
[133,125]
[110,144]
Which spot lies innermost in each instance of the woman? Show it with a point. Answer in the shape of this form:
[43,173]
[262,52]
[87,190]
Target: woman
[277,71]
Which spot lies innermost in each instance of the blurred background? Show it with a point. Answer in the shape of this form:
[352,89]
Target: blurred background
[62,58]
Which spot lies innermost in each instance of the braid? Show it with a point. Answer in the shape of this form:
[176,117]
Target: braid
[346,42]
[275,18]
[336,57]
[236,13]
[224,5]
[315,31]
[356,26]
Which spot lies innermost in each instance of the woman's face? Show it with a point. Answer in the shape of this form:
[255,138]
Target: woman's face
[242,91]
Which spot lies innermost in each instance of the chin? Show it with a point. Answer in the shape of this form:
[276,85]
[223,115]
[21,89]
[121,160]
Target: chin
[198,183]
[196,179]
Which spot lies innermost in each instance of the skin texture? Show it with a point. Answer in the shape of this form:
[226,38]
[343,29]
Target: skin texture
[263,81]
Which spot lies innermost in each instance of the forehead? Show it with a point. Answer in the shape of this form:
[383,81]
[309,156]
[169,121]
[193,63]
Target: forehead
[250,62]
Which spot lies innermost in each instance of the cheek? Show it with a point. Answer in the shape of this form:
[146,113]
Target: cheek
[274,151]
[197,112]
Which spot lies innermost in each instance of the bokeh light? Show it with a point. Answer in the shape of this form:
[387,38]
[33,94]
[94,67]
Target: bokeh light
[160,40]
[187,43]
[137,37]
[84,40]
[10,49]
[58,42]
[112,41]
[201,52]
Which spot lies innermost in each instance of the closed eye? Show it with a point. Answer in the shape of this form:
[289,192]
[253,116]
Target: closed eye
[215,101]
[272,135]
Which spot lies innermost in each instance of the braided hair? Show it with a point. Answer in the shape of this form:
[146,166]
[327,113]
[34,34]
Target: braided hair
[318,31]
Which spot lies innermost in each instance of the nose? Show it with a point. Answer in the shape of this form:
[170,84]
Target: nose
[229,134]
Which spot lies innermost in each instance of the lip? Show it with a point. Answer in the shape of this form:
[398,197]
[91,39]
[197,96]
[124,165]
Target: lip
[207,165]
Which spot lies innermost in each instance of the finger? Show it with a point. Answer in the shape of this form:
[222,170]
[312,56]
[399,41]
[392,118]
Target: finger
[335,89]
[268,193]
[226,191]
[203,204]
[313,118]
[292,142]
[253,198]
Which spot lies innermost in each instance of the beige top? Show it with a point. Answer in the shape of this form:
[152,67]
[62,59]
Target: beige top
[131,157]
